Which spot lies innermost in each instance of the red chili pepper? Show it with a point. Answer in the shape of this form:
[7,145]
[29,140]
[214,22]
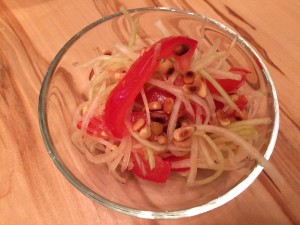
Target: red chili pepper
[123,95]
[230,85]
[141,168]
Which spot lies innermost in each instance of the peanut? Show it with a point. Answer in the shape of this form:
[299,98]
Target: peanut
[190,88]
[156,128]
[166,66]
[183,133]
[168,105]
[154,106]
[189,77]
[138,124]
[200,82]
[145,132]
[159,116]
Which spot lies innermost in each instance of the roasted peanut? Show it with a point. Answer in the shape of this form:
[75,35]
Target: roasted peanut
[156,128]
[189,77]
[138,124]
[159,116]
[200,82]
[145,132]
[202,91]
[166,66]
[190,88]
[154,106]
[168,105]
[183,133]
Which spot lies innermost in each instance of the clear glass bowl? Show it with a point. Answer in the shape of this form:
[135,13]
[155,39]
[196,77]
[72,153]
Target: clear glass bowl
[63,89]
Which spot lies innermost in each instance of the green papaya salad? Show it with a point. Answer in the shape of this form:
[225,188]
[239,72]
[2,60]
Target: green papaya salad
[168,109]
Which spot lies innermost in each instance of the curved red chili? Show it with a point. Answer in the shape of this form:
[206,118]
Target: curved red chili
[123,95]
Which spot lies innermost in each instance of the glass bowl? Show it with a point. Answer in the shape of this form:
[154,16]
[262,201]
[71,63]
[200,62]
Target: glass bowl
[64,88]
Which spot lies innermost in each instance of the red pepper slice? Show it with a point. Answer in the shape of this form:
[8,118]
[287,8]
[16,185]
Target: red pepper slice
[124,94]
[141,168]
[230,85]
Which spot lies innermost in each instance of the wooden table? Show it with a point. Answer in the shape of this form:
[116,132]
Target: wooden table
[33,191]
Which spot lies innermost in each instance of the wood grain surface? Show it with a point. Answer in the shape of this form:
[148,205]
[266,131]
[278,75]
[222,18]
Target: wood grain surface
[33,191]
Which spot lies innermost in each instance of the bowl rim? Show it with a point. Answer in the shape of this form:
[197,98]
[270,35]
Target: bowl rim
[232,193]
